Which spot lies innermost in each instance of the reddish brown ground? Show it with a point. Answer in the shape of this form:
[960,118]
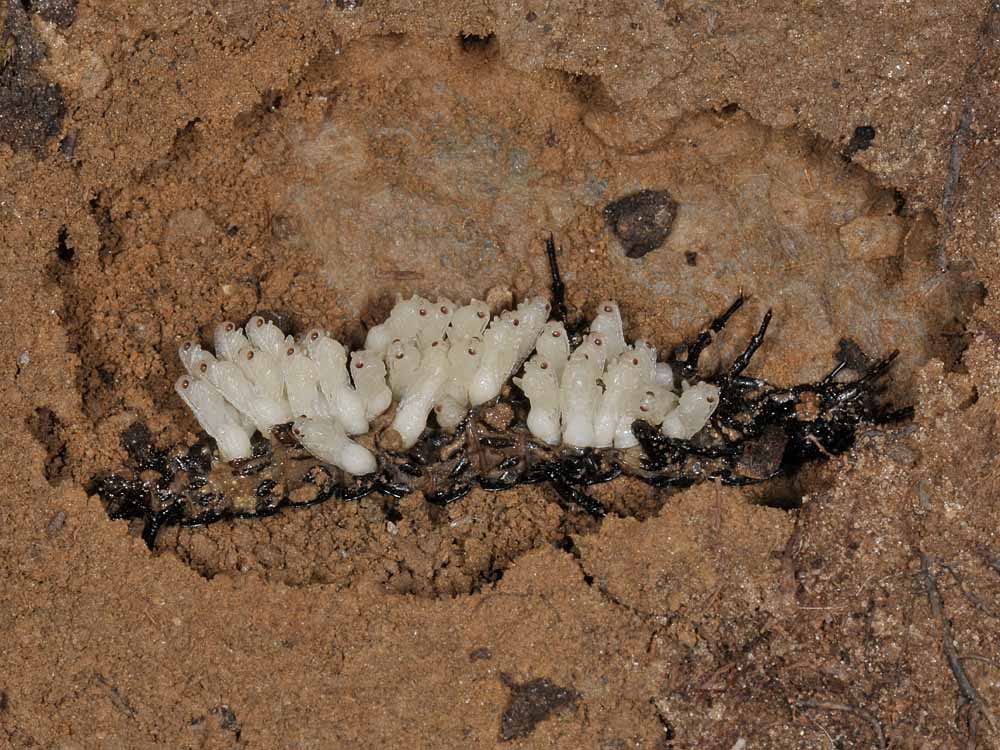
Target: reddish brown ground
[204,161]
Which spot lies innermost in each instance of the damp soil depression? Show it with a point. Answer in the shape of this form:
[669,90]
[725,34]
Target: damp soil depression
[854,604]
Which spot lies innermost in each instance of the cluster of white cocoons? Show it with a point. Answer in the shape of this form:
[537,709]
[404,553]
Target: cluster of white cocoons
[441,358]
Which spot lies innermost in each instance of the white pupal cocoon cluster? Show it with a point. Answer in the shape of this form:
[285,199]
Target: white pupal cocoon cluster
[435,358]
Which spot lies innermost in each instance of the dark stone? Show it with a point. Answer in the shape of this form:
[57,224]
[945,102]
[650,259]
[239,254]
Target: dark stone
[691,258]
[480,654]
[641,221]
[530,704]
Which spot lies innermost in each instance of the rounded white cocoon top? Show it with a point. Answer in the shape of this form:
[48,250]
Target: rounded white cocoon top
[528,321]
[697,404]
[657,401]
[195,359]
[327,440]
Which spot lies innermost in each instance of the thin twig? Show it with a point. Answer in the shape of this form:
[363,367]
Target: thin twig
[859,712]
[965,686]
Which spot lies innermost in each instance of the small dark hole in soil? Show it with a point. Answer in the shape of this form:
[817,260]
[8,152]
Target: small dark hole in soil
[781,501]
[46,428]
[860,141]
[63,250]
[474,43]
[691,258]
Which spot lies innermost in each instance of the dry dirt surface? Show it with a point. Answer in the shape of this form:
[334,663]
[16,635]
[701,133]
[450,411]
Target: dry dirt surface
[164,166]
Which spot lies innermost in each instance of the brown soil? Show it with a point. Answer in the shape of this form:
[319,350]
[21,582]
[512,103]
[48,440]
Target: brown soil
[163,167]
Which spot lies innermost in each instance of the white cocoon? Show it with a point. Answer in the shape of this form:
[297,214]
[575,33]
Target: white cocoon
[497,363]
[697,404]
[553,345]
[264,334]
[404,362]
[622,381]
[368,371]
[215,416]
[326,440]
[343,401]
[579,397]
[541,387]
[435,321]
[262,411]
[263,370]
[608,325]
[301,376]
[419,399]
[228,340]
[470,320]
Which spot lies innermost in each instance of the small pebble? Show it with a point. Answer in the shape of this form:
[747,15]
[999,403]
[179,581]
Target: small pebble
[641,221]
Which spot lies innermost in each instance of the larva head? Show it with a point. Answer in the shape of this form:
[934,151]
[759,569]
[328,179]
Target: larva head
[187,352]
[312,339]
[265,335]
[470,319]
